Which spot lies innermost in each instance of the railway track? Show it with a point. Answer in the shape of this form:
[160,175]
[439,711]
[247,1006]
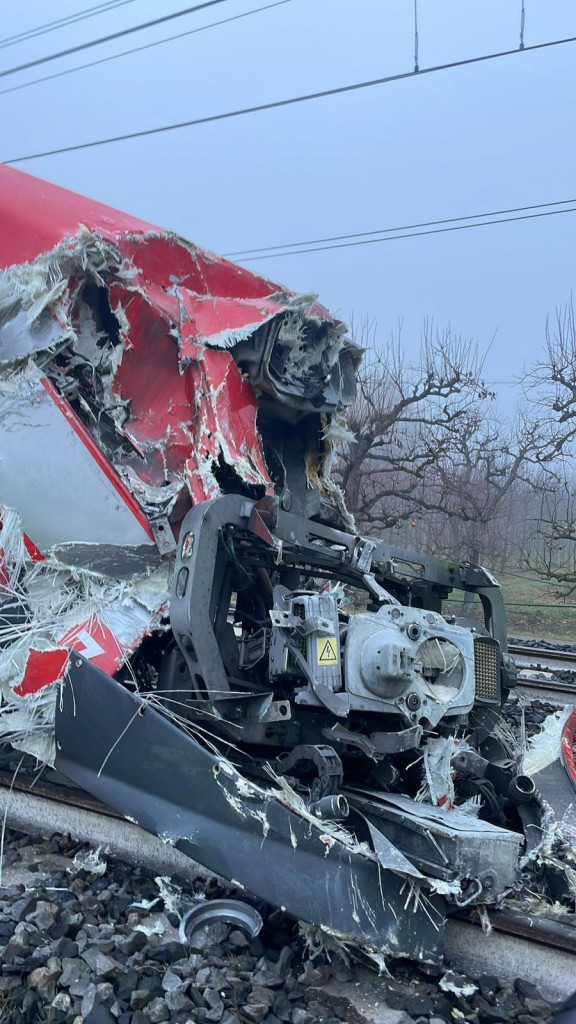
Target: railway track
[532,679]
[543,667]
[520,944]
[547,676]
[543,653]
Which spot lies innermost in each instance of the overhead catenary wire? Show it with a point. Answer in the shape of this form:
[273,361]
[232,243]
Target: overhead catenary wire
[521,604]
[522,22]
[291,101]
[409,234]
[145,46]
[416,61]
[110,37]
[533,579]
[540,581]
[401,227]
[70,19]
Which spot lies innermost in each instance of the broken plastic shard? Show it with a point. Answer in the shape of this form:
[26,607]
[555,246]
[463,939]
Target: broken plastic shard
[545,746]
[90,861]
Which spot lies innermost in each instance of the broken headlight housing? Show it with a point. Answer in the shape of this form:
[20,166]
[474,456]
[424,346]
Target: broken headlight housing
[398,660]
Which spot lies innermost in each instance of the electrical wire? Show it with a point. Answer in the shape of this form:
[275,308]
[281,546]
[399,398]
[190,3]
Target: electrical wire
[71,19]
[401,227]
[138,49]
[416,62]
[410,234]
[287,102]
[531,579]
[109,38]
[521,604]
[538,604]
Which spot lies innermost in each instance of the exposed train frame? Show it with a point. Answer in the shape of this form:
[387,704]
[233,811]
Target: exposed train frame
[190,627]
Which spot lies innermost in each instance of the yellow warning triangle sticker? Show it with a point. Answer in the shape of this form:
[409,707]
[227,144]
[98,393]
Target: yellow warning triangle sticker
[326,650]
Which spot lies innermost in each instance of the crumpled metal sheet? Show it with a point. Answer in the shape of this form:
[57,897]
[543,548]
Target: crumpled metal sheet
[134,328]
[263,836]
[130,367]
[49,610]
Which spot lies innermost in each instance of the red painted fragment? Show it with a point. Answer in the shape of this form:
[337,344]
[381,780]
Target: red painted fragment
[92,638]
[34,551]
[167,260]
[208,318]
[96,642]
[42,668]
[36,215]
[149,377]
[183,418]
[568,742]
[5,576]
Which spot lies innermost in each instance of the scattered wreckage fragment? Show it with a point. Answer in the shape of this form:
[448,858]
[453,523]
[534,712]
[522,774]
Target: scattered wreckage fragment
[173,554]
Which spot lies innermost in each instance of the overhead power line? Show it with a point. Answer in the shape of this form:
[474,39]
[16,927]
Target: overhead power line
[287,102]
[531,579]
[109,38]
[408,234]
[522,604]
[146,46]
[71,19]
[401,227]
[416,62]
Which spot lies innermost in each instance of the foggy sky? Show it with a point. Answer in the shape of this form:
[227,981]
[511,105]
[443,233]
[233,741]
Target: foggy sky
[486,137]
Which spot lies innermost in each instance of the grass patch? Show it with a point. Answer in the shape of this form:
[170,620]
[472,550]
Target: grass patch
[534,608]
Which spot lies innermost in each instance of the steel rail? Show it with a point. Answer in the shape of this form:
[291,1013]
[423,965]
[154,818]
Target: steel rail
[64,792]
[550,686]
[41,808]
[553,654]
[552,932]
[518,939]
[545,931]
[533,660]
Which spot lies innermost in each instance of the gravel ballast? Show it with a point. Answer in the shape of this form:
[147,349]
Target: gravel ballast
[88,938]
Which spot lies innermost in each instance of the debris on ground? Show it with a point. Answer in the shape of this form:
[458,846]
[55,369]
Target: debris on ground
[174,635]
[82,945]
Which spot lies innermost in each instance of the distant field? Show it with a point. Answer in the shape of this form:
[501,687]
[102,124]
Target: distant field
[538,608]
[526,614]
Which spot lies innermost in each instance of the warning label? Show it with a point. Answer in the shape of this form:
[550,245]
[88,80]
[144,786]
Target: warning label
[327,650]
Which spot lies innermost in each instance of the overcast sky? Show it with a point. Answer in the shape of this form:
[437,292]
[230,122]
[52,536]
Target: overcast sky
[486,137]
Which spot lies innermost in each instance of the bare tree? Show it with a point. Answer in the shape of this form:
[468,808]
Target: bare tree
[551,388]
[471,488]
[403,421]
[550,549]
[551,383]
[432,456]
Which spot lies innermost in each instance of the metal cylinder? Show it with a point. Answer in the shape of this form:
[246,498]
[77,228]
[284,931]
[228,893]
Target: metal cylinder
[333,808]
[522,789]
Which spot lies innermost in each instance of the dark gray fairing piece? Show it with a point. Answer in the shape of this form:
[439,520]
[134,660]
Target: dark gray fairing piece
[132,758]
[555,787]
